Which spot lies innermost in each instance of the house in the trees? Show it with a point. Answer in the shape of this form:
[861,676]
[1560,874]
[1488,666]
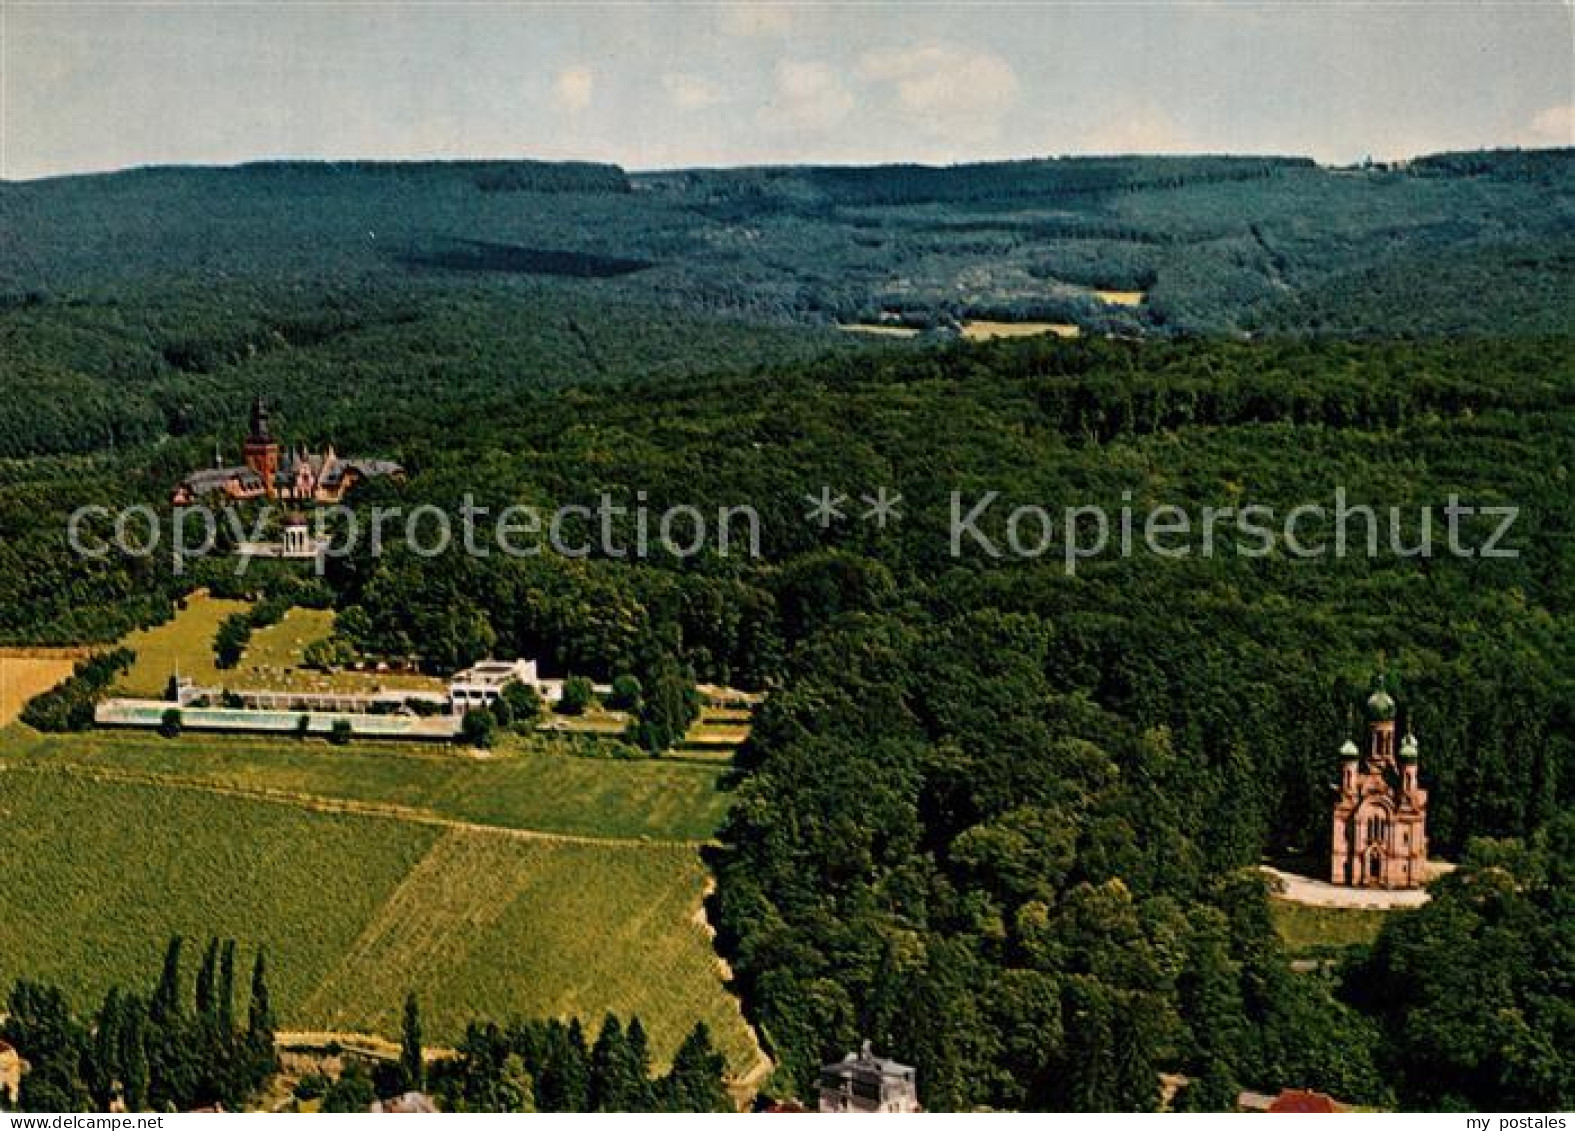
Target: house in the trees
[267,471]
[1380,815]
[1290,1101]
[863,1082]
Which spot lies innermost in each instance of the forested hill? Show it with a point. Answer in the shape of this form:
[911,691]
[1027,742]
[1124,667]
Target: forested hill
[997,815]
[1457,243]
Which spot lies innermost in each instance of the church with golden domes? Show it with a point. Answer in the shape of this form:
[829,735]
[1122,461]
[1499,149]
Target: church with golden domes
[1380,816]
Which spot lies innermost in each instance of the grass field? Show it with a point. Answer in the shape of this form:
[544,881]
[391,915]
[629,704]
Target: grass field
[272,661]
[184,642]
[879,329]
[1120,298]
[354,909]
[1316,932]
[535,783]
[24,676]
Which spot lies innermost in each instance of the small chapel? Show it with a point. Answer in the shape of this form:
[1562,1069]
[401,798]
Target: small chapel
[1380,815]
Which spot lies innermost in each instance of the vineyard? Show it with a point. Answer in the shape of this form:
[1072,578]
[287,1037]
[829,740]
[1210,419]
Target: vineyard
[528,783]
[354,907]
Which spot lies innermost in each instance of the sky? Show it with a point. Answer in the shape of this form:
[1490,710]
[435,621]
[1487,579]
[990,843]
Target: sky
[93,86]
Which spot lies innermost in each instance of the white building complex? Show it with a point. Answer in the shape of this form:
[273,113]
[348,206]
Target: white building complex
[483,684]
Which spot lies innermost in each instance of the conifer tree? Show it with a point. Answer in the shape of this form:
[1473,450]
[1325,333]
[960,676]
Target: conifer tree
[410,1055]
[516,1089]
[103,1066]
[695,1082]
[166,1004]
[609,1068]
[575,1067]
[259,1021]
[207,980]
[643,1097]
[225,1006]
[133,1054]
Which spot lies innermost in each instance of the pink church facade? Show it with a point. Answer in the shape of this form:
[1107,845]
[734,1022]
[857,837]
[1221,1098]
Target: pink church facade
[1380,816]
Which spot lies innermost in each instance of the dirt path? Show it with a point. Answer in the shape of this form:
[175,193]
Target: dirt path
[368,1043]
[742,1088]
[1320,893]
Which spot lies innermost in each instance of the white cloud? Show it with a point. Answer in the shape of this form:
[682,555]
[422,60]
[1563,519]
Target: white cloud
[756,20]
[952,87]
[574,88]
[809,96]
[1553,126]
[691,92]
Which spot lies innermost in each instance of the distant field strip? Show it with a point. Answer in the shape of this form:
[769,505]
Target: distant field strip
[984,330]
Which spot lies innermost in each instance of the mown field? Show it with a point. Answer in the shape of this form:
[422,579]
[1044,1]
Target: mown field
[273,657]
[535,783]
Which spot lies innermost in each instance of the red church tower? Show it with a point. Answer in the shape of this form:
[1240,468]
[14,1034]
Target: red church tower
[262,450]
[1380,817]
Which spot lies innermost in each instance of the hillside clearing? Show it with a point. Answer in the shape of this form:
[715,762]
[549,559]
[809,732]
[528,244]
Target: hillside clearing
[983,330]
[1311,932]
[183,643]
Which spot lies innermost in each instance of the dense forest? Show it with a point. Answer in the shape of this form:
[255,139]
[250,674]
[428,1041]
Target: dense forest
[973,773]
[1219,244]
[997,814]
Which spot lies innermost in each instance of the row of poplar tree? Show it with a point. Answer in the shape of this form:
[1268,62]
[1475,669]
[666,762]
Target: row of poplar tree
[177,1049]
